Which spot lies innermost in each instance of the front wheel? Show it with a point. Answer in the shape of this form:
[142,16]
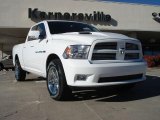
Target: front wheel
[20,74]
[56,81]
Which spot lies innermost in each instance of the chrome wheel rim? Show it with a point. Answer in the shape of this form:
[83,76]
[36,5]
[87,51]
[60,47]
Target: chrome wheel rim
[53,81]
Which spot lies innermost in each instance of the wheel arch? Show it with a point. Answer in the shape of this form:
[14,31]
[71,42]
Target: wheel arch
[65,90]
[51,57]
[16,57]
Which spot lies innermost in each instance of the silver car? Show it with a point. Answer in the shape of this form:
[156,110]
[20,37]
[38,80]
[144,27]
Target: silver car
[6,63]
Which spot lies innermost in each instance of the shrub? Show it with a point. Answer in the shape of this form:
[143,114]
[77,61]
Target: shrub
[157,60]
[152,61]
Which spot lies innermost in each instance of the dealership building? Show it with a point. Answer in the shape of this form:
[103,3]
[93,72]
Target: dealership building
[138,20]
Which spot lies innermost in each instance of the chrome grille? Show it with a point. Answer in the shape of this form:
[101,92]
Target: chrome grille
[131,46]
[108,45]
[119,50]
[104,51]
[130,56]
[132,51]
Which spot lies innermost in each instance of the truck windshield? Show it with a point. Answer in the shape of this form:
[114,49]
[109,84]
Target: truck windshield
[57,27]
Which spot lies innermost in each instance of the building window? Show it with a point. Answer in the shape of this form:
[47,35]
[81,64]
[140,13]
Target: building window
[151,47]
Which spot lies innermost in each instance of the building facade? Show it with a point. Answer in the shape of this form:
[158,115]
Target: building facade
[136,20]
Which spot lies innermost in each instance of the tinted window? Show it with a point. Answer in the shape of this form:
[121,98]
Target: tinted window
[63,27]
[41,29]
[34,27]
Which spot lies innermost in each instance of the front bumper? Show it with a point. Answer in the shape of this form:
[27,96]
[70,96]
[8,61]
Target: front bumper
[94,72]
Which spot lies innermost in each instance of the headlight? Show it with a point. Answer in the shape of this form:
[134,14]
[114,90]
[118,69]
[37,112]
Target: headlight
[76,52]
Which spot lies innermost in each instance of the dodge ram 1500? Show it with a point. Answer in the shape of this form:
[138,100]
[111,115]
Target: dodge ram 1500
[74,54]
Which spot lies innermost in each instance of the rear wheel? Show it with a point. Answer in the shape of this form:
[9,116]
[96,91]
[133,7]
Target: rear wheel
[56,81]
[20,74]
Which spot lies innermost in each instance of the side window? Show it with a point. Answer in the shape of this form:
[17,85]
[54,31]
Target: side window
[41,28]
[34,28]
[42,31]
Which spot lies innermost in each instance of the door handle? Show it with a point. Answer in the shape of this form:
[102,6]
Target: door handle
[31,46]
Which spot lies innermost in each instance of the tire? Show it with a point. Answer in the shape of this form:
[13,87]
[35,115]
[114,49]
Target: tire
[20,74]
[56,81]
[1,67]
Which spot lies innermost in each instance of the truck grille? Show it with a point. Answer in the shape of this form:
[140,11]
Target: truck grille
[120,78]
[130,56]
[108,45]
[131,46]
[116,51]
[100,52]
[104,56]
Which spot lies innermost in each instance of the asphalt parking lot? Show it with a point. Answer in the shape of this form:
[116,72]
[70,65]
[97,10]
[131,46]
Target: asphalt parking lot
[29,100]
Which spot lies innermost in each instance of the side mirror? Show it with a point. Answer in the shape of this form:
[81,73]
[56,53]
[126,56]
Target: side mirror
[33,35]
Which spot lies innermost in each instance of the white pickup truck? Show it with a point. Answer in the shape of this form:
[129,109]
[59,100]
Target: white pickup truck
[74,54]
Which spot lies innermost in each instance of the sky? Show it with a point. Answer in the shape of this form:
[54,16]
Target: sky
[150,2]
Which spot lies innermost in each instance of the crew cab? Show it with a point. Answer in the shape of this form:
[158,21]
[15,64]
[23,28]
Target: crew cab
[74,54]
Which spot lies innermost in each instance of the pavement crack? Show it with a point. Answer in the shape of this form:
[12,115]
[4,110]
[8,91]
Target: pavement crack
[20,109]
[89,108]
[9,114]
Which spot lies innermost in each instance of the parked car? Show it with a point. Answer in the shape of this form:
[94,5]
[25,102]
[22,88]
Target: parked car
[6,63]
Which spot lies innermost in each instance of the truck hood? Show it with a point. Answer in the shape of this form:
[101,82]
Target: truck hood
[88,38]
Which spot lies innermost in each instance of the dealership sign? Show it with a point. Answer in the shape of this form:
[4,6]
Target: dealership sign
[35,14]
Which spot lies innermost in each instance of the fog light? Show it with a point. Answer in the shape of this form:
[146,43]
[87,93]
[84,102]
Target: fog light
[81,77]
